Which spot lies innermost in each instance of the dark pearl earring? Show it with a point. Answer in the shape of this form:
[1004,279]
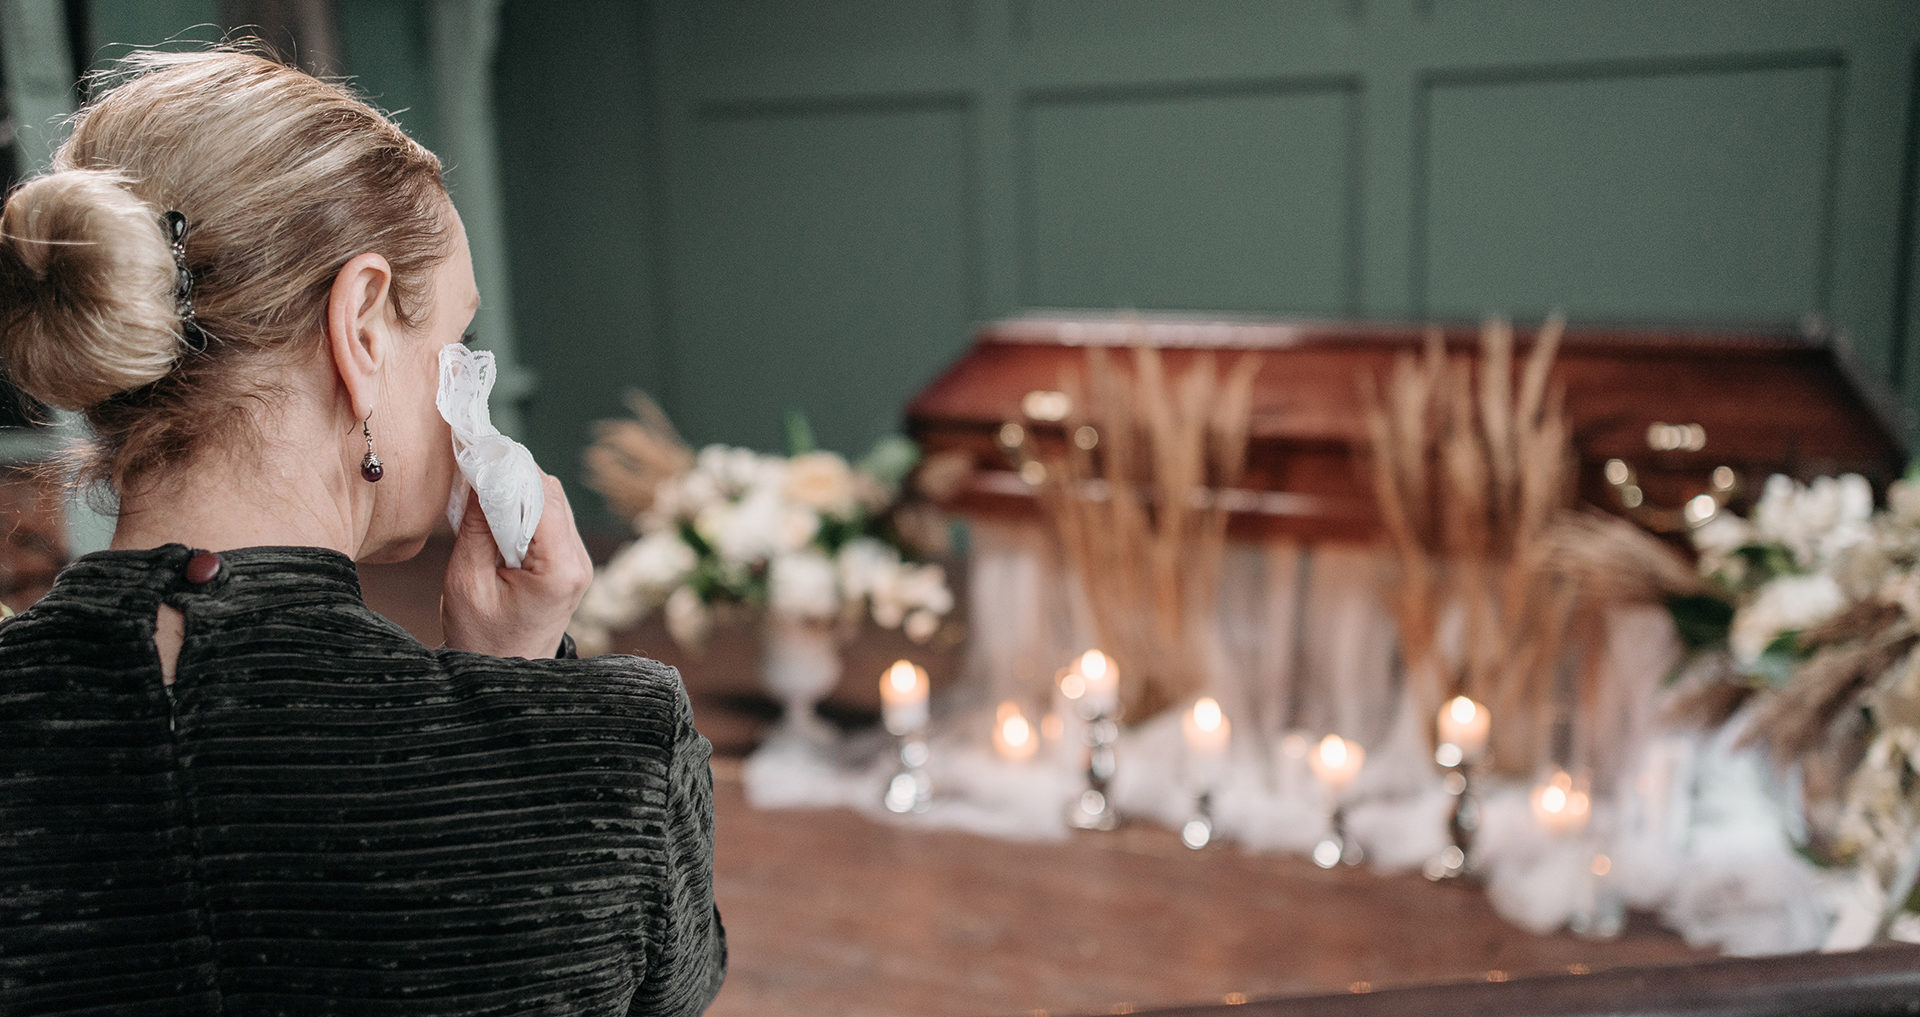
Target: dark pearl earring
[370,467]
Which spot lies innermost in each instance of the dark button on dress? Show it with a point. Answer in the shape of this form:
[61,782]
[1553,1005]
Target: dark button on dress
[323,816]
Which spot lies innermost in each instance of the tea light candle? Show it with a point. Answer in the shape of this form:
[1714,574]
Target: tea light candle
[1336,762]
[1013,737]
[1559,806]
[1464,724]
[1207,731]
[1102,682]
[903,698]
[1071,683]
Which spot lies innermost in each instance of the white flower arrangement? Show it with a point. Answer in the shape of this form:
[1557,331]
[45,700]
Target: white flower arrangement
[810,537]
[1819,621]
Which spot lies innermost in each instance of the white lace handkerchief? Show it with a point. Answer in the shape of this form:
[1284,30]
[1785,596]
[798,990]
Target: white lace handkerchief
[499,468]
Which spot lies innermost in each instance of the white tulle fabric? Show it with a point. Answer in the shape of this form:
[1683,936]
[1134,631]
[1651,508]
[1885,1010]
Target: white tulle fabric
[1698,829]
[500,469]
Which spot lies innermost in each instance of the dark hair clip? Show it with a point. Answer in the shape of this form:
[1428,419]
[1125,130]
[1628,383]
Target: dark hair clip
[176,223]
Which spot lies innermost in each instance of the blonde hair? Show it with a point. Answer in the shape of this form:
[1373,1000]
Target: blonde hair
[282,178]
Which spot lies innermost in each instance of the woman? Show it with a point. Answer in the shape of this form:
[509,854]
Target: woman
[226,785]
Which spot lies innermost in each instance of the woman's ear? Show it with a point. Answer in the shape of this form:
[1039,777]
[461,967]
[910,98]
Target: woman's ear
[360,327]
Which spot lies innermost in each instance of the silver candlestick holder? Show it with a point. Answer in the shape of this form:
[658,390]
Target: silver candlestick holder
[1197,832]
[1463,816]
[910,789]
[1092,808]
[1337,847]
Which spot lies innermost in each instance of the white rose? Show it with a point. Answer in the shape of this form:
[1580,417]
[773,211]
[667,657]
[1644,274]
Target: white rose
[695,493]
[655,562]
[688,619]
[1722,535]
[801,585]
[1814,522]
[798,526]
[822,481]
[1903,502]
[925,587]
[1787,604]
[889,606]
[1846,519]
[862,562]
[712,521]
[921,625]
[751,532]
[741,467]
[712,461]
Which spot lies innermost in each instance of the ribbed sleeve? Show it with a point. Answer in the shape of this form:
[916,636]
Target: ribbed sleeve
[322,816]
[688,950]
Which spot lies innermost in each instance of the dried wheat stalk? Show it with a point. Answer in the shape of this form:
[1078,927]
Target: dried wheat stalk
[629,459]
[1470,474]
[1134,510]
[1796,718]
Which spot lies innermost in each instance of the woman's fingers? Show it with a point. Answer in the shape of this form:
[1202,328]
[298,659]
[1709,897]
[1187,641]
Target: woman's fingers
[561,554]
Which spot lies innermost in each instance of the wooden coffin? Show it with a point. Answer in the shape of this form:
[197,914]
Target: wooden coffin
[1672,405]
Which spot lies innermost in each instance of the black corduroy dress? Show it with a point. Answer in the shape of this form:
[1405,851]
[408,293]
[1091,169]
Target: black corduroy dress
[323,816]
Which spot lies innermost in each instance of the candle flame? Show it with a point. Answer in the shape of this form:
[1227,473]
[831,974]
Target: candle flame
[1016,731]
[1553,798]
[902,676]
[1206,714]
[1333,751]
[1463,709]
[1094,664]
[1072,685]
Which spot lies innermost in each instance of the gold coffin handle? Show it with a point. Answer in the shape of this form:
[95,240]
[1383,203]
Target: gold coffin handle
[1695,512]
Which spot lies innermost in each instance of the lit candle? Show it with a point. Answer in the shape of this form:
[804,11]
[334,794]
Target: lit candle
[1464,725]
[1208,731]
[1072,684]
[903,698]
[1559,805]
[1337,761]
[1102,682]
[1012,736]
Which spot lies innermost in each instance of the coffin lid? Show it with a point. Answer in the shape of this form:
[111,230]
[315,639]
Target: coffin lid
[1768,398]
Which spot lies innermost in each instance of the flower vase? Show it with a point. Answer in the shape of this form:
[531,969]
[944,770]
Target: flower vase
[800,664]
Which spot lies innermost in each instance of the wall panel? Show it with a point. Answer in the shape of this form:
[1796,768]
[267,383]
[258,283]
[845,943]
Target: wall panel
[1673,192]
[821,264]
[1236,199]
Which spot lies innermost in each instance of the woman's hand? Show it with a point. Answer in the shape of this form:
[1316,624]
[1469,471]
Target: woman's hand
[486,607]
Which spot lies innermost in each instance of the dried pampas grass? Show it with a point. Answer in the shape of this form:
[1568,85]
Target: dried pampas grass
[1469,472]
[1129,495]
[1497,587]
[630,459]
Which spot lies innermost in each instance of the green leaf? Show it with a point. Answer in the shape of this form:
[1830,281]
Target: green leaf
[890,460]
[1786,644]
[1775,668]
[799,434]
[1702,620]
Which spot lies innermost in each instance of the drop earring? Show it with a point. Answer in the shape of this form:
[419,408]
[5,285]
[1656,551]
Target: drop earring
[370,467]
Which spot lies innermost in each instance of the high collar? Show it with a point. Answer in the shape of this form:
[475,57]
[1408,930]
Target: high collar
[262,576]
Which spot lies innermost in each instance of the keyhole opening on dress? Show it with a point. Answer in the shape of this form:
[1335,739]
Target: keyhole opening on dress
[169,631]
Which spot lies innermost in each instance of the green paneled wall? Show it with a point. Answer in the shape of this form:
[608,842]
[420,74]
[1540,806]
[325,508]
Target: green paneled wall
[849,187]
[577,172]
[746,205]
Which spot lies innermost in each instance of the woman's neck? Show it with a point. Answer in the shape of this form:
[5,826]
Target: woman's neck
[218,504]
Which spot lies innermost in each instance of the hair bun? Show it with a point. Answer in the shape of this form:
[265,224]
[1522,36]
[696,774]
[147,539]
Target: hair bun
[89,285]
